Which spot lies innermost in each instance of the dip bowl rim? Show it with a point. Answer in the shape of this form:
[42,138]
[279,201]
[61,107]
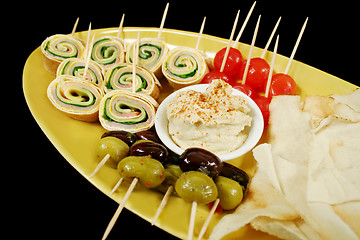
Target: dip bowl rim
[255,131]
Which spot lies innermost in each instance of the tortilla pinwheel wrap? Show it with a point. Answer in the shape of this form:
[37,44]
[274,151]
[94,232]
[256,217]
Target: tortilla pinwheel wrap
[76,67]
[152,53]
[77,98]
[121,77]
[58,47]
[108,51]
[128,111]
[184,66]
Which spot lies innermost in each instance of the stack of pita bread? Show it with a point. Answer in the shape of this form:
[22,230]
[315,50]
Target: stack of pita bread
[307,182]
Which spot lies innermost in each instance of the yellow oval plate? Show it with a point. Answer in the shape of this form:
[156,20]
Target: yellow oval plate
[76,140]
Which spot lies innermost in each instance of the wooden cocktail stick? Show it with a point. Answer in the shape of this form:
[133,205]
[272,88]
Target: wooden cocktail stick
[192,220]
[134,63]
[163,20]
[88,56]
[120,26]
[75,26]
[207,221]
[117,185]
[162,204]
[230,40]
[250,52]
[295,47]
[244,25]
[103,161]
[200,33]
[120,208]
[270,39]
[87,42]
[271,68]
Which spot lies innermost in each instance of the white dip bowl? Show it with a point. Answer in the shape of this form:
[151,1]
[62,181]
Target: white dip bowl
[255,131]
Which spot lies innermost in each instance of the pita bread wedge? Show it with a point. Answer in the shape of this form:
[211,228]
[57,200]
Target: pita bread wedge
[262,200]
[352,100]
[283,229]
[307,184]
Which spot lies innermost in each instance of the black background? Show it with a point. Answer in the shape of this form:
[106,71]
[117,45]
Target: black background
[52,199]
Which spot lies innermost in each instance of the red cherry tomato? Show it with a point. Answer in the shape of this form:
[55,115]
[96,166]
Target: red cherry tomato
[263,104]
[245,89]
[257,74]
[233,61]
[216,75]
[282,84]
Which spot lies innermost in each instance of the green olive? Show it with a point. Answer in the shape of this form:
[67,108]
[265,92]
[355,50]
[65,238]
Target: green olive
[172,173]
[149,171]
[196,186]
[117,149]
[230,192]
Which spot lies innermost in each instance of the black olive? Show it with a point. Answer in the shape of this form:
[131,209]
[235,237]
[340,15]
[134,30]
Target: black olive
[128,137]
[148,135]
[236,174]
[198,159]
[149,148]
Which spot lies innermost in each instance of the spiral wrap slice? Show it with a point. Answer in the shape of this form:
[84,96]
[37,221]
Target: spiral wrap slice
[108,51]
[75,97]
[76,67]
[58,47]
[184,66]
[123,110]
[121,77]
[152,53]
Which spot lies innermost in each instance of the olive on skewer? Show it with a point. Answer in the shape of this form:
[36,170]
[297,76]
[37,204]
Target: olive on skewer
[196,184]
[110,150]
[143,169]
[198,159]
[149,148]
[128,137]
[231,184]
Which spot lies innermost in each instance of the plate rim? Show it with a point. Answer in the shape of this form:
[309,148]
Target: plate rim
[67,155]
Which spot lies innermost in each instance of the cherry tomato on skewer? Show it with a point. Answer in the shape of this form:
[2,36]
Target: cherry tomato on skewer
[257,74]
[282,84]
[233,62]
[245,89]
[216,75]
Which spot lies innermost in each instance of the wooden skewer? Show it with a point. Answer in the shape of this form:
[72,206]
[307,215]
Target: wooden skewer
[230,40]
[271,68]
[200,33]
[75,26]
[88,57]
[117,185]
[103,161]
[120,208]
[163,20]
[120,26]
[207,221]
[270,39]
[250,52]
[162,204]
[295,47]
[192,220]
[244,25]
[87,41]
[134,63]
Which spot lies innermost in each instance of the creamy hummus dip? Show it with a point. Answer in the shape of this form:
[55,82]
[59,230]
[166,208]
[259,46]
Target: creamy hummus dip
[214,120]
